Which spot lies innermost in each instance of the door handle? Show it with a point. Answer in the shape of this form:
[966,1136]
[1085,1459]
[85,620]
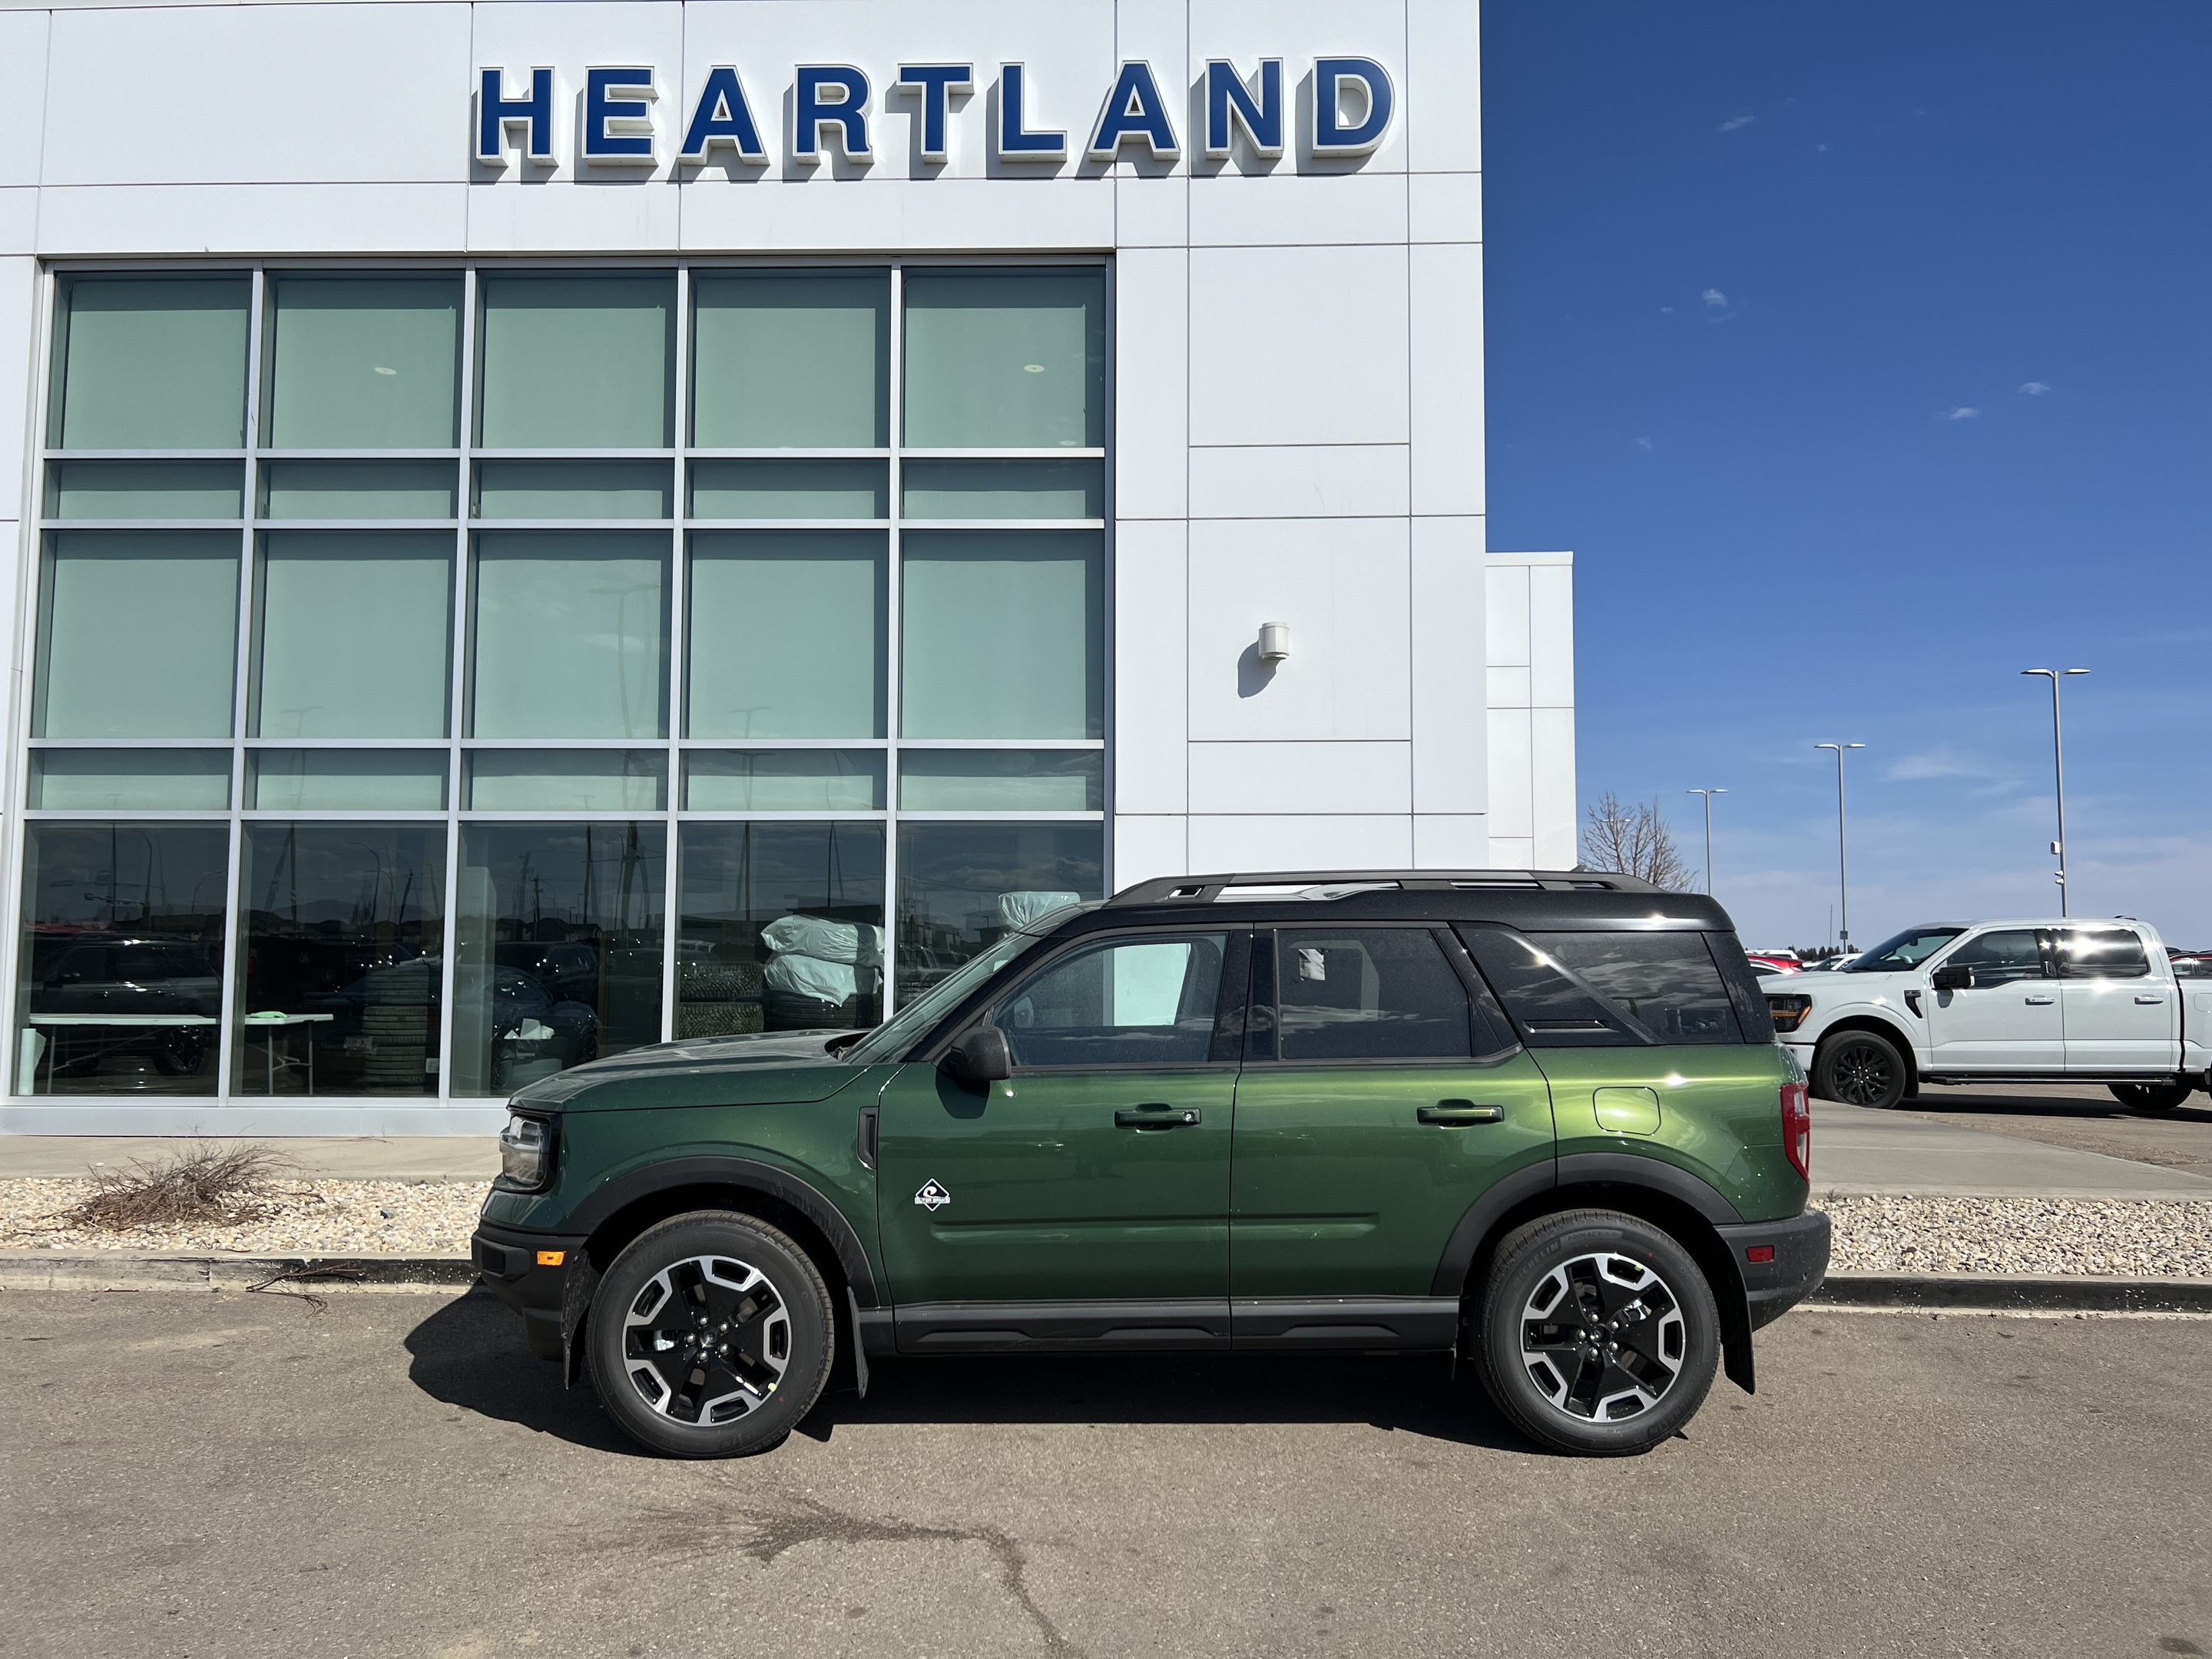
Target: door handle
[2037,1002]
[1458,1114]
[1155,1117]
[2150,1002]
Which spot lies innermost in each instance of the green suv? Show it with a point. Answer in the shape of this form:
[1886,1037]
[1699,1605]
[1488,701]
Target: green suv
[1538,1120]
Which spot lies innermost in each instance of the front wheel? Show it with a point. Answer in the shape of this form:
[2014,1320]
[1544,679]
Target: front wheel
[1598,1334]
[711,1336]
[2152,1096]
[1859,1068]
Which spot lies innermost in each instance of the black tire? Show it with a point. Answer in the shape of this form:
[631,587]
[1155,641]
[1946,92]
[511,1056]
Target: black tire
[1860,1068]
[2152,1097]
[760,1304]
[1647,1347]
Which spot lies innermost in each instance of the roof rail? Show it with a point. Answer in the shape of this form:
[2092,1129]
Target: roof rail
[1324,885]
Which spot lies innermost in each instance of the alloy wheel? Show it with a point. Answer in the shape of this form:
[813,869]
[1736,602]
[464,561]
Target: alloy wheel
[1602,1337]
[1862,1075]
[706,1340]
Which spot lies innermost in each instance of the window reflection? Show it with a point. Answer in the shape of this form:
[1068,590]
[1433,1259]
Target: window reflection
[782,928]
[963,886]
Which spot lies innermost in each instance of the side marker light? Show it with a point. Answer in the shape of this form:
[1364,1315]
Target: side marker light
[555,1258]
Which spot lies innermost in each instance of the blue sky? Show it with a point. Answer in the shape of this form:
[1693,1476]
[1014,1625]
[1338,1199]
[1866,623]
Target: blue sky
[1862,355]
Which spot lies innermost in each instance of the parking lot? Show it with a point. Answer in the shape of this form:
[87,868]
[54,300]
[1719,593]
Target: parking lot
[242,1475]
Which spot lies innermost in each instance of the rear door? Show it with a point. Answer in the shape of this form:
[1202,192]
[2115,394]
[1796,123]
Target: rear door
[2119,1016]
[2009,1021]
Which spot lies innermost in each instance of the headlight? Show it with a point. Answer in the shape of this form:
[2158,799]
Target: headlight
[1789,1011]
[526,1153]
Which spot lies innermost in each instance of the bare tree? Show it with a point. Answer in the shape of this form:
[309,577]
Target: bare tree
[1635,841]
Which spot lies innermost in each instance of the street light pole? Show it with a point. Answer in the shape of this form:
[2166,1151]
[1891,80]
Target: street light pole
[2058,768]
[1843,845]
[1708,794]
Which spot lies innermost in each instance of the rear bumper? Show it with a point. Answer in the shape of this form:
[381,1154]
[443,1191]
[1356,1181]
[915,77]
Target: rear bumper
[1782,1262]
[515,1270]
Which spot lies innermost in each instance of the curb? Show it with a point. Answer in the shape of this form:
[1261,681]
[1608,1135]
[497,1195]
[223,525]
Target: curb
[2000,1292]
[31,1271]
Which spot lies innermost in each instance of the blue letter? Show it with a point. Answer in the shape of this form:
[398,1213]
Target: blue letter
[1331,138]
[602,110]
[1016,142]
[1134,109]
[722,117]
[1227,99]
[934,81]
[810,111]
[496,114]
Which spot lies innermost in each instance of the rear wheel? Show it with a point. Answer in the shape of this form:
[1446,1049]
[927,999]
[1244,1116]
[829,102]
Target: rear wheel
[1859,1068]
[2151,1096]
[1598,1334]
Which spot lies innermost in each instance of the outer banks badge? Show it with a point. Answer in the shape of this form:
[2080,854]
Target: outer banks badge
[932,1197]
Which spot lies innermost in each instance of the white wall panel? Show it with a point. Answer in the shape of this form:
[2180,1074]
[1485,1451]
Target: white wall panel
[248,219]
[1552,802]
[1517,853]
[1298,345]
[1301,777]
[1145,848]
[1512,806]
[1444,207]
[1342,584]
[1152,664]
[1508,688]
[22,94]
[1552,636]
[1318,841]
[1450,672]
[1443,128]
[265,93]
[1506,615]
[18,354]
[1288,209]
[1451,842]
[1151,384]
[557,218]
[892,215]
[1151,212]
[1358,481]
[1298,31]
[19,221]
[1447,378]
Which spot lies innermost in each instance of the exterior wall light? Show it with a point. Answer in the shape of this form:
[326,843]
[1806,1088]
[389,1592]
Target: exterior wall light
[1274,641]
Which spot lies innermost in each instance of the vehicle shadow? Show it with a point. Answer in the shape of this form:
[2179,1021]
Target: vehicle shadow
[1975,1103]
[471,1353]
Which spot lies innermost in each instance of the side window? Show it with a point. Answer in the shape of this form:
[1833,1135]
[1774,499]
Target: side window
[1753,1015]
[2101,953]
[2008,955]
[1552,1008]
[1667,983]
[1369,994]
[1145,1001]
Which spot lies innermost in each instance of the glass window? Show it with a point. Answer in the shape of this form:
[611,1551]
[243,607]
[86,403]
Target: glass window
[791,360]
[963,886]
[557,948]
[787,634]
[152,362]
[1367,994]
[1666,983]
[1001,635]
[346,779]
[1129,1002]
[1551,1008]
[2001,958]
[573,489]
[1907,950]
[342,930]
[138,633]
[784,781]
[118,982]
[2097,953]
[571,635]
[130,779]
[790,489]
[1001,780]
[1005,360]
[1003,489]
[363,362]
[358,489]
[577,362]
[782,928]
[385,672]
[567,781]
[144,489]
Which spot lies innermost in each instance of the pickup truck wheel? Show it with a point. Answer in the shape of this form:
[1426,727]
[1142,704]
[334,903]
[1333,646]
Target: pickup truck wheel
[711,1336]
[2151,1096]
[1598,1334]
[1859,1068]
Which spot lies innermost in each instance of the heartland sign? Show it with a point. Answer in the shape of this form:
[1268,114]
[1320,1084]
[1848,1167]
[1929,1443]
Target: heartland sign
[1352,104]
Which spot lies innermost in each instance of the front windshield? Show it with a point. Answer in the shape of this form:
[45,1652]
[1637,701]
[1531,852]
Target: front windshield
[901,1031]
[1908,950]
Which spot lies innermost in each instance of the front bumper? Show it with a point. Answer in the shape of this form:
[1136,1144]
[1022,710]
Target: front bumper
[516,1270]
[1792,1260]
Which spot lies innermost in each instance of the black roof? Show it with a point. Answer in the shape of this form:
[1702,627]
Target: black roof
[1569,900]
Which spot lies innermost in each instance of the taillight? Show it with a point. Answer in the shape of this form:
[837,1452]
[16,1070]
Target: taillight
[1797,1128]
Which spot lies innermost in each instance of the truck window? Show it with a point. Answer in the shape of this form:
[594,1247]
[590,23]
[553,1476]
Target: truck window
[2101,953]
[2008,955]
[1907,950]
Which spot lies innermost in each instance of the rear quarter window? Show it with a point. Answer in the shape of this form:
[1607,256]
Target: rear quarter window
[1609,990]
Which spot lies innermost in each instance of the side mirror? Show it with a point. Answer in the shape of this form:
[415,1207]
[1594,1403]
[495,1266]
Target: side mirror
[980,1056]
[1947,978]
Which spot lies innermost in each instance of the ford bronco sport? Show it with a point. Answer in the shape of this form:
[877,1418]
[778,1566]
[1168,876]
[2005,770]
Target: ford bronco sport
[1537,1119]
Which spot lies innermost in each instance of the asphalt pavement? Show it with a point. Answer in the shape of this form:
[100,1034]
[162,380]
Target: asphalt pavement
[1858,1151]
[244,1475]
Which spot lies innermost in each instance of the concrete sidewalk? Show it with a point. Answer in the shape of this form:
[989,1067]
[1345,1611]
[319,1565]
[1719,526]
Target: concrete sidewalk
[405,1157]
[1860,1152]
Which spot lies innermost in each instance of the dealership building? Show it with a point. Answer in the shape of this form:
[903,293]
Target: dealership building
[541,528]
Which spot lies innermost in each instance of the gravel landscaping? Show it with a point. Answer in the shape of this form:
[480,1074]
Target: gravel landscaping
[302,1217]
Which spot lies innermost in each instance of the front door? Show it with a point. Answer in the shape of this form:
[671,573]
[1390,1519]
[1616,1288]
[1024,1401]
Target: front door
[1376,1104]
[1099,1171]
[2118,1018]
[2009,1021]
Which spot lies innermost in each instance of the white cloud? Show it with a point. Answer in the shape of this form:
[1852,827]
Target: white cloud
[1943,762]
[1713,296]
[1736,121]
[2036,388]
[1641,443]
[1959,412]
[1666,311]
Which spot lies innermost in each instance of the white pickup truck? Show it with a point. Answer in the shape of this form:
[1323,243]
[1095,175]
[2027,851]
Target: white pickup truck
[2033,1002]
